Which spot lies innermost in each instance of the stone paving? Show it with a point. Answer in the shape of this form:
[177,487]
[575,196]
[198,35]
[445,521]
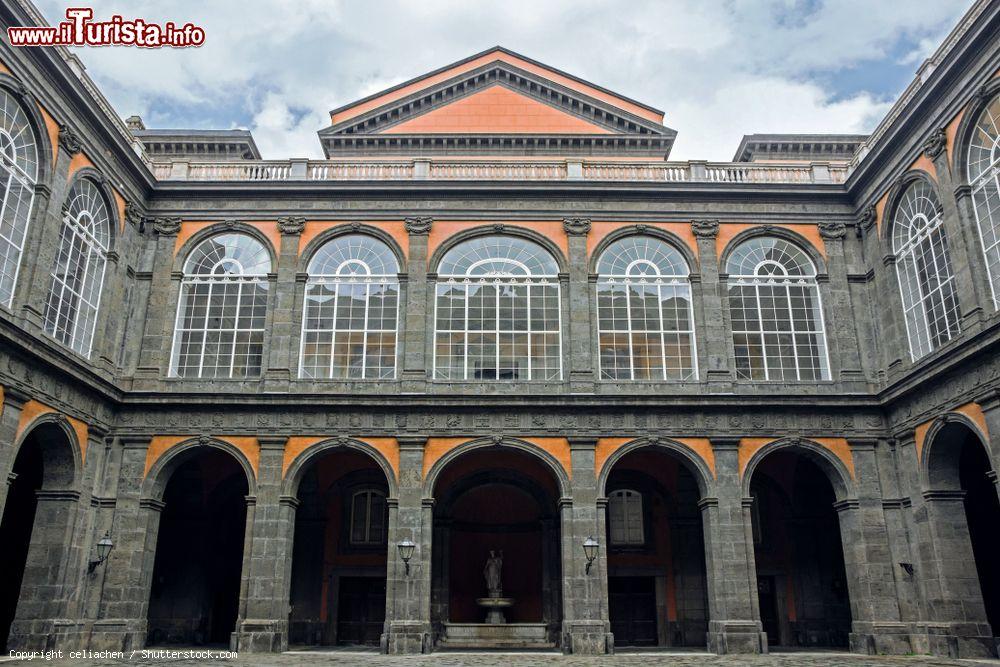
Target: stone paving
[345,658]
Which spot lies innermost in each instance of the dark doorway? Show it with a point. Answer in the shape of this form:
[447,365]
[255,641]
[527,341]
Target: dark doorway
[360,611]
[632,605]
[768,599]
[982,511]
[15,532]
[194,597]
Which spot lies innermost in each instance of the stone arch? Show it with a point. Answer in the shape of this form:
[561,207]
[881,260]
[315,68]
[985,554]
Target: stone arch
[302,462]
[963,137]
[31,108]
[832,466]
[498,230]
[100,181]
[939,465]
[327,235]
[158,476]
[227,227]
[62,466]
[688,457]
[894,197]
[556,468]
[789,235]
[665,235]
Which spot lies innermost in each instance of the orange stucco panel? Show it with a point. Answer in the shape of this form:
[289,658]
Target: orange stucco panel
[608,446]
[971,410]
[191,227]
[297,445]
[438,447]
[33,409]
[496,110]
[729,230]
[923,163]
[160,444]
[52,128]
[600,229]
[838,446]
[880,210]
[79,161]
[919,436]
[394,228]
[951,131]
[442,230]
[493,56]
[120,204]
[5,70]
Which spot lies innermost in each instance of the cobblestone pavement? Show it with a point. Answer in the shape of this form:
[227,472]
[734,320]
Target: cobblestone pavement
[362,659]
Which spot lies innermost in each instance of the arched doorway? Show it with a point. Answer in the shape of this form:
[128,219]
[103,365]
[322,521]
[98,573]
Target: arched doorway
[657,588]
[496,502]
[195,591]
[338,588]
[801,577]
[959,471]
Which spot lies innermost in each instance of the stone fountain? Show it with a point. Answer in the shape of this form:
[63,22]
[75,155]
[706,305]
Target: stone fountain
[494,603]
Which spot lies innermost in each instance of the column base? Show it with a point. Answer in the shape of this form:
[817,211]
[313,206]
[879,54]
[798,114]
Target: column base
[587,638]
[260,636]
[406,638]
[736,637]
[955,640]
[888,638]
[117,634]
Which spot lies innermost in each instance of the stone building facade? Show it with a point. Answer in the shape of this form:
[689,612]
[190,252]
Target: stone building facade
[742,406]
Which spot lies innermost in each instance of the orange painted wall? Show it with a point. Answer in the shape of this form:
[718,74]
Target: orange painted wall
[160,444]
[438,447]
[838,446]
[52,128]
[33,409]
[387,447]
[442,230]
[120,204]
[600,229]
[729,230]
[190,227]
[702,447]
[971,410]
[394,228]
[496,110]
[79,161]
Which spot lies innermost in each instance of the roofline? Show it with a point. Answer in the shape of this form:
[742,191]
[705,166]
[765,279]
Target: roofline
[474,56]
[792,138]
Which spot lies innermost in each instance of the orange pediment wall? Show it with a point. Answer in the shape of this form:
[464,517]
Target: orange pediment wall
[496,110]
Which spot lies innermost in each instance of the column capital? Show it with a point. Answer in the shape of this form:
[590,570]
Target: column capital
[862,444]
[411,442]
[582,441]
[15,397]
[134,441]
[725,442]
[291,225]
[576,226]
[166,226]
[867,217]
[935,144]
[272,441]
[418,225]
[832,231]
[944,495]
[705,229]
[69,140]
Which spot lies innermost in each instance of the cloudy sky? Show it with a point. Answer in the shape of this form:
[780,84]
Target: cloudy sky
[719,69]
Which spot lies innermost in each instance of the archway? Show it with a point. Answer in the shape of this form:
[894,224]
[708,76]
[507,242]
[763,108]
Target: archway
[500,501]
[657,587]
[959,469]
[801,576]
[35,532]
[195,591]
[338,589]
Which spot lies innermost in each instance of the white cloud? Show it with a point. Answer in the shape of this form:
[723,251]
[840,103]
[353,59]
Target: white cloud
[718,70]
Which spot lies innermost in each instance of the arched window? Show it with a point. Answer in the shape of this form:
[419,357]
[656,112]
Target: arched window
[222,309]
[78,274]
[645,322]
[369,514]
[349,321]
[18,171]
[497,312]
[926,282]
[625,520]
[984,177]
[776,314]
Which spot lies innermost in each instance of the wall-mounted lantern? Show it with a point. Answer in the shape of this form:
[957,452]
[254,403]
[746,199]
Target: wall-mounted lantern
[104,547]
[406,548]
[590,546]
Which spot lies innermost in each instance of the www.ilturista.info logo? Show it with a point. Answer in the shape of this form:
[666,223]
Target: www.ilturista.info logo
[80,30]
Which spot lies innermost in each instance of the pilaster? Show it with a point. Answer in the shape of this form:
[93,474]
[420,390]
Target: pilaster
[161,307]
[581,346]
[714,338]
[841,321]
[414,322]
[281,366]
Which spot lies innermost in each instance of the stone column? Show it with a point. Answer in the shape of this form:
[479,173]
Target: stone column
[586,627]
[890,329]
[415,323]
[845,355]
[13,402]
[581,345]
[967,261]
[408,588]
[161,307]
[282,364]
[733,615]
[876,627]
[263,622]
[714,338]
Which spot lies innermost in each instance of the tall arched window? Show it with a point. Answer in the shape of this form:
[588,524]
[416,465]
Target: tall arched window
[923,266]
[18,171]
[644,317]
[984,177]
[349,321]
[626,526]
[497,312]
[78,274]
[777,317]
[222,309]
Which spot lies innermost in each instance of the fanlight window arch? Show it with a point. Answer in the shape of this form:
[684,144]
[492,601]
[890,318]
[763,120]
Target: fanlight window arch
[644,312]
[923,266]
[222,309]
[497,312]
[349,323]
[77,278]
[984,177]
[626,523]
[776,312]
[19,172]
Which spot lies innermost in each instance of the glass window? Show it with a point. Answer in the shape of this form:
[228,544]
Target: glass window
[923,266]
[351,308]
[984,177]
[644,315]
[498,312]
[222,310]
[625,520]
[369,514]
[18,172]
[78,274]
[776,314]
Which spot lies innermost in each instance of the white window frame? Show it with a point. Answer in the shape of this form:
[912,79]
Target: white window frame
[988,126]
[632,505]
[21,167]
